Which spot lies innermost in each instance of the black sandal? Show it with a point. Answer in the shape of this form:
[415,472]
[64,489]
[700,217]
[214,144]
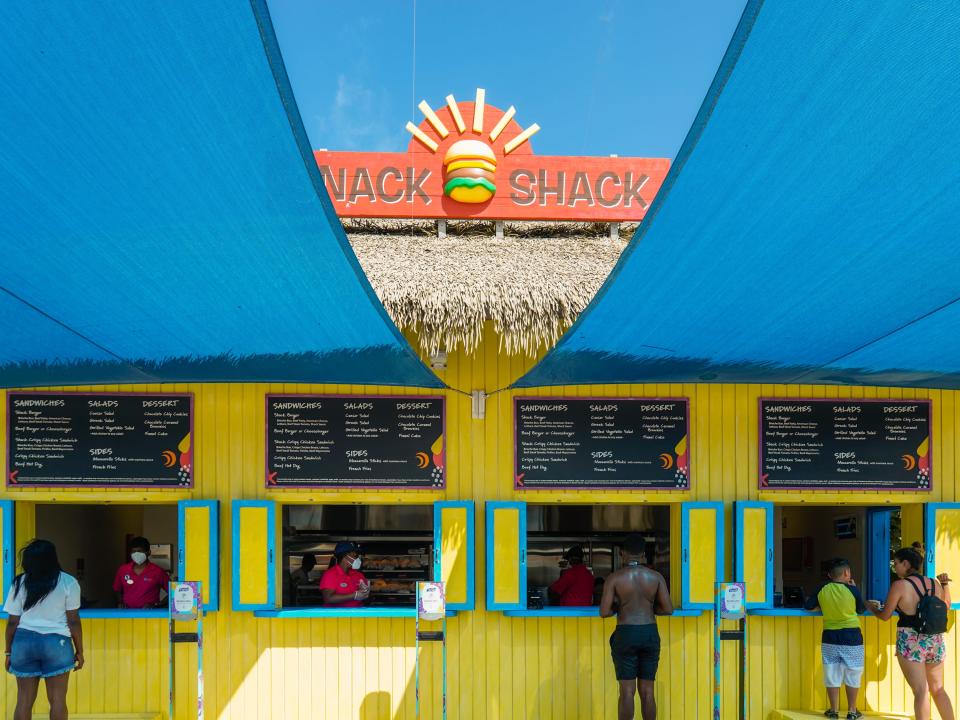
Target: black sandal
[831,714]
[854,715]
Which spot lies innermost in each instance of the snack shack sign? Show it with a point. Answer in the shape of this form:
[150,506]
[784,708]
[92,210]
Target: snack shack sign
[473,160]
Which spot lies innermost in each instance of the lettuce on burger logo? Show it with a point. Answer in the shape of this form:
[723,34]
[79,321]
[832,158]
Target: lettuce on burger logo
[470,164]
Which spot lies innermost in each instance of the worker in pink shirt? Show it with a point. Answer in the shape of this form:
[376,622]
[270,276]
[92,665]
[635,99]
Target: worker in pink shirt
[139,583]
[343,585]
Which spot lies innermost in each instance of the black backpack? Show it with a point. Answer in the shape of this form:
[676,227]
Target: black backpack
[931,611]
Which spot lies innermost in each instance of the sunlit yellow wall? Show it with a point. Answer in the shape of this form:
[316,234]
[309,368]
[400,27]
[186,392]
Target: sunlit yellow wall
[507,668]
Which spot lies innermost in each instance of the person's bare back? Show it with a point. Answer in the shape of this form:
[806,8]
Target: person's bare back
[637,594]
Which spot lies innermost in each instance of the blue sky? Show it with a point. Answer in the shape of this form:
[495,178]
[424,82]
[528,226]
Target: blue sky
[608,77]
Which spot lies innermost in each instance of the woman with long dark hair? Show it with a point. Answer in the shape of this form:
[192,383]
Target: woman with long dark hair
[44,639]
[920,650]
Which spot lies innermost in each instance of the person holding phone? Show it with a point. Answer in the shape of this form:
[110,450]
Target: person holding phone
[44,638]
[343,585]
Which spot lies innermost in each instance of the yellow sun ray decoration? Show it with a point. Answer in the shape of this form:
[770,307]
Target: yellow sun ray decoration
[470,164]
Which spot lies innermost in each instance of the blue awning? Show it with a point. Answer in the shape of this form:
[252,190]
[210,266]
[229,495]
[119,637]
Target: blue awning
[163,217]
[808,231]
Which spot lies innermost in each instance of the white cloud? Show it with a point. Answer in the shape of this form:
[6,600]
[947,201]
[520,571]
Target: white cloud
[358,119]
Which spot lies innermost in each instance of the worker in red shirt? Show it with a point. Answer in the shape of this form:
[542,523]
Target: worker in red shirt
[574,588]
[343,585]
[139,583]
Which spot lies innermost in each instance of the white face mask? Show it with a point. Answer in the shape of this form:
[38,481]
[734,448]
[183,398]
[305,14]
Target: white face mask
[356,564]
[138,557]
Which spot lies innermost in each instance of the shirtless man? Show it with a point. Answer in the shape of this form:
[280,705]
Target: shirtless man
[636,594]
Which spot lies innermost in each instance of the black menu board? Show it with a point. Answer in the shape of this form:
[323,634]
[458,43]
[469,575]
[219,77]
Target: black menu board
[99,440]
[360,441]
[588,443]
[845,444]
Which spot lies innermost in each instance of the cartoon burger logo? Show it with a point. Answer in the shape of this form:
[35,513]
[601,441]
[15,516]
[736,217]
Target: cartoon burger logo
[469,169]
[470,163]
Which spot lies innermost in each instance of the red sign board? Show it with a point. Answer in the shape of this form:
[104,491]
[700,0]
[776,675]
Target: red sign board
[473,160]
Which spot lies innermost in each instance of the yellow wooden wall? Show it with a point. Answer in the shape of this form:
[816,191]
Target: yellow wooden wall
[499,668]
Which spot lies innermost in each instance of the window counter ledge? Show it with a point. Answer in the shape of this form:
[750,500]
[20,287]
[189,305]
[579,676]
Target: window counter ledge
[592,612]
[342,613]
[794,612]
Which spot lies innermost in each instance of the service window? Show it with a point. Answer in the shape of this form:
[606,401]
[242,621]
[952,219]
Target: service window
[395,542]
[532,548]
[584,542]
[806,538]
[399,545]
[93,544]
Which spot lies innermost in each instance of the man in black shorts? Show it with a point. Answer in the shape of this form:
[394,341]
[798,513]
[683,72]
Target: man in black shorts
[636,594]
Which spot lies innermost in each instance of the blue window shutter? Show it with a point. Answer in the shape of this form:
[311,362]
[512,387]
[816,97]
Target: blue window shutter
[877,580]
[211,588]
[466,555]
[506,556]
[942,541]
[702,545]
[253,557]
[753,551]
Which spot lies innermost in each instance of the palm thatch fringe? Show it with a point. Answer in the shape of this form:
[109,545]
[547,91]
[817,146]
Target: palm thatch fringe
[532,284]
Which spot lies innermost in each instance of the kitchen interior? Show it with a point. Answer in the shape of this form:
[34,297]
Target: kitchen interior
[600,530]
[396,544]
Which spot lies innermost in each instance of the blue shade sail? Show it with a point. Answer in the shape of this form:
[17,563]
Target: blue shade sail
[808,231]
[163,218]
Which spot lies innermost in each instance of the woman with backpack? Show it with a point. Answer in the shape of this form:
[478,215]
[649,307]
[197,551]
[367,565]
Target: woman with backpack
[43,630]
[922,604]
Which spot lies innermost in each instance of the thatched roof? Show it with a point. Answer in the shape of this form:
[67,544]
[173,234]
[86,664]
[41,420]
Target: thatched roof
[531,284]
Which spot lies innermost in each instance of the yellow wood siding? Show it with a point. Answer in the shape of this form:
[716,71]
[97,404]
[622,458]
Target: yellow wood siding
[499,668]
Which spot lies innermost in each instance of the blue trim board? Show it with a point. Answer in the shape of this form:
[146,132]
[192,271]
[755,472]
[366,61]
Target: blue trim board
[492,507]
[685,558]
[211,600]
[738,565]
[9,546]
[467,505]
[930,540]
[332,612]
[585,612]
[236,560]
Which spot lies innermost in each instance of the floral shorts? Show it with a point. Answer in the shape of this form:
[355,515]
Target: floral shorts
[913,646]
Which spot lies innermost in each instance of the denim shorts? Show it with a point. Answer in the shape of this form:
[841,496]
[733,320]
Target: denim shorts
[37,655]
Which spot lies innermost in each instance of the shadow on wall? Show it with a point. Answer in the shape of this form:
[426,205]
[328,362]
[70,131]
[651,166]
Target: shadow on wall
[375,706]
